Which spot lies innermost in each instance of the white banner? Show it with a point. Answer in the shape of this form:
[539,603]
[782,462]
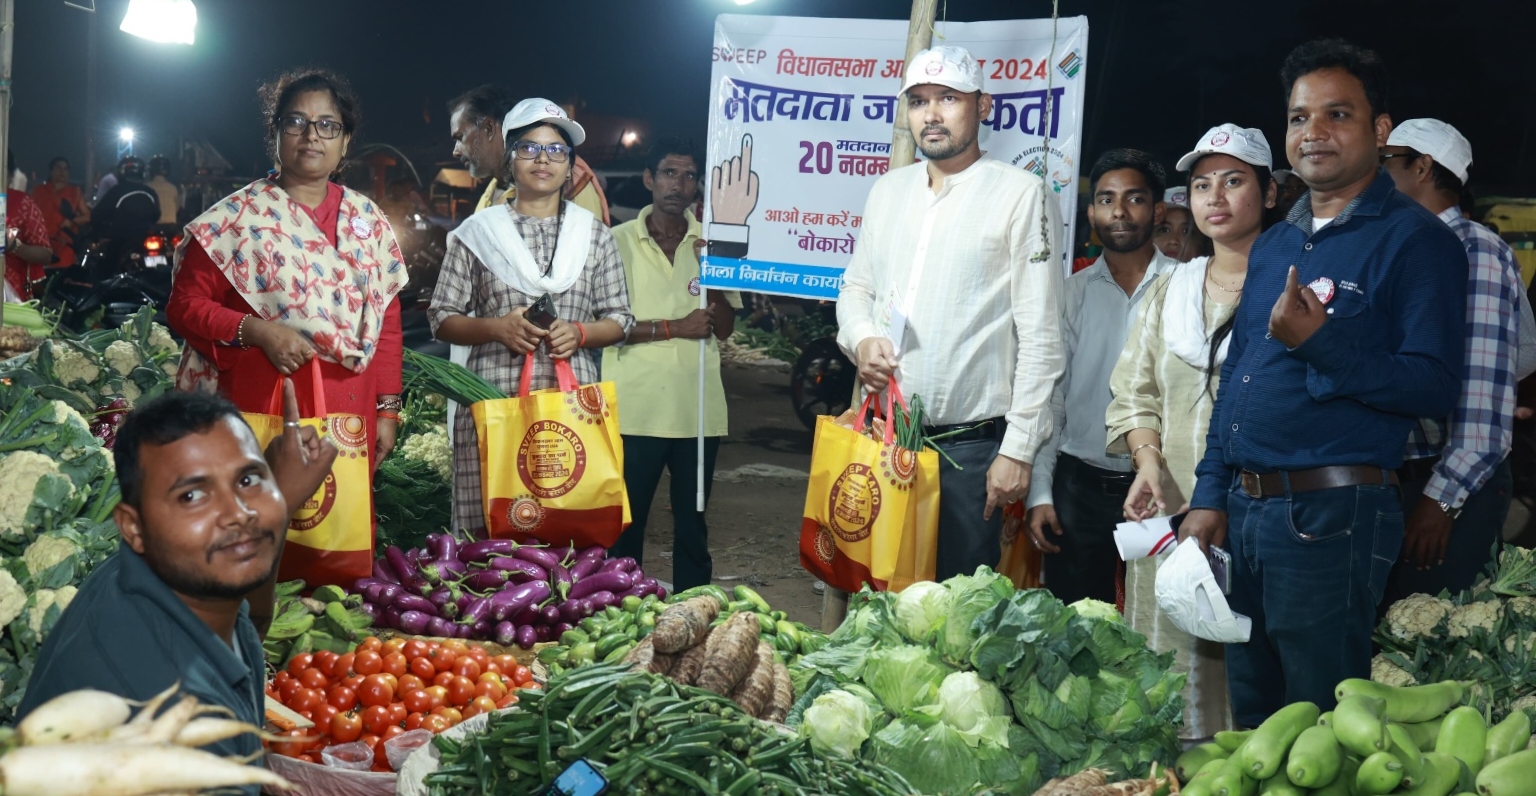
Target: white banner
[800,124]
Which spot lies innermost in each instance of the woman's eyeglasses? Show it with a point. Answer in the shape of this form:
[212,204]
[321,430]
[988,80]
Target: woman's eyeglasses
[528,150]
[298,125]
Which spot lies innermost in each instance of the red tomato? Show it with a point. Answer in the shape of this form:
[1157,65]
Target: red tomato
[368,739]
[393,732]
[291,748]
[341,668]
[391,680]
[410,682]
[521,675]
[354,682]
[323,659]
[370,644]
[375,692]
[438,695]
[310,757]
[289,687]
[494,690]
[395,663]
[482,704]
[299,663]
[435,724]
[376,720]
[305,700]
[480,656]
[457,645]
[322,716]
[314,678]
[506,663]
[418,701]
[346,727]
[422,667]
[395,644]
[453,715]
[460,691]
[367,662]
[443,658]
[281,677]
[342,698]
[414,649]
[398,713]
[466,667]
[444,679]
[507,701]
[413,721]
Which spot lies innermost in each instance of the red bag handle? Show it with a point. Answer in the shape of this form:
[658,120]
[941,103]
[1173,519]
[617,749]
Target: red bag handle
[565,376]
[275,406]
[892,398]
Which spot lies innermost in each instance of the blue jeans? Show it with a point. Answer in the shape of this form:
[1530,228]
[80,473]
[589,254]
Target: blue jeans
[1309,568]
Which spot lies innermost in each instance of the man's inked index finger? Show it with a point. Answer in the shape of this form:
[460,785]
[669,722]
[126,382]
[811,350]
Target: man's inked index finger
[290,403]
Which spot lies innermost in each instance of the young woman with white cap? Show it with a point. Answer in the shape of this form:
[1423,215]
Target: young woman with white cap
[1165,386]
[506,257]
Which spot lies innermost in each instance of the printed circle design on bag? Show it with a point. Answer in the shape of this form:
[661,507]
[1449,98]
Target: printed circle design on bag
[348,433]
[314,511]
[551,459]
[899,466]
[526,514]
[855,503]
[1010,531]
[826,546]
[588,404]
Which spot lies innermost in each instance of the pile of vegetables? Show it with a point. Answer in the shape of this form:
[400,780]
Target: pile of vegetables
[413,488]
[497,589]
[25,327]
[134,362]
[387,688]
[57,492]
[1485,635]
[84,743]
[646,735]
[1380,739]
[330,619]
[1096,782]
[969,685]
[612,633]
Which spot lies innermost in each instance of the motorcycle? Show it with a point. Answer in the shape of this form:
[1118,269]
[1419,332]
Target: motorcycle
[822,379]
[110,284]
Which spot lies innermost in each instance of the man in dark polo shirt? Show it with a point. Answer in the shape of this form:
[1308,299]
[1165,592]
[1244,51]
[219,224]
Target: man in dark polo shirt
[202,519]
[1350,327]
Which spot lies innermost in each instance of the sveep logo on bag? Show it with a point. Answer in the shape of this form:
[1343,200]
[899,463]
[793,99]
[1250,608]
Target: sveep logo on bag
[313,512]
[551,459]
[854,504]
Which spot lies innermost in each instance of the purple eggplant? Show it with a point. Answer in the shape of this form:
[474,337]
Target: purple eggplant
[661,594]
[513,599]
[414,622]
[383,593]
[362,583]
[505,634]
[444,601]
[602,599]
[573,611]
[465,632]
[486,550]
[483,627]
[383,571]
[406,601]
[643,587]
[444,548]
[562,627]
[549,616]
[487,580]
[560,581]
[527,616]
[404,568]
[542,556]
[625,564]
[518,570]
[478,608]
[449,570]
[439,627]
[615,581]
[528,635]
[587,562]
[372,610]
[392,617]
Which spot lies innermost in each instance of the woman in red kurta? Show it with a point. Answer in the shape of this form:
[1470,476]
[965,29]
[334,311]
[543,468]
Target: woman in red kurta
[64,210]
[294,268]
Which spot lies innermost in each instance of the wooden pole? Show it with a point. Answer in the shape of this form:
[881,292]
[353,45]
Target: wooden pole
[834,602]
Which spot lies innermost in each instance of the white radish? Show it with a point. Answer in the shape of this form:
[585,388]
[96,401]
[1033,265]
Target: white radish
[72,716]
[122,770]
[202,732]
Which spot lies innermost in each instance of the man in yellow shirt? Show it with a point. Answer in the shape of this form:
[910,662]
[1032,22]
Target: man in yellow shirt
[475,120]
[656,371]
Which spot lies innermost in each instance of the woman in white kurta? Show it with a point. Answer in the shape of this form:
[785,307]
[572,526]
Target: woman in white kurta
[1165,386]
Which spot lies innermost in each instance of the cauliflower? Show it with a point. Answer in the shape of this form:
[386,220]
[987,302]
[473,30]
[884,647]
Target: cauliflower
[63,597]
[122,357]
[1466,618]
[1521,606]
[13,599]
[48,552]
[19,473]
[1416,615]
[431,447]
[70,366]
[64,413]
[42,600]
[161,342]
[1388,673]
[1526,703]
[171,367]
[1511,641]
[128,390]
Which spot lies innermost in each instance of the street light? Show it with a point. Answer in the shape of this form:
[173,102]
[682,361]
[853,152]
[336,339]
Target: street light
[166,21]
[125,135]
[124,143]
[629,138]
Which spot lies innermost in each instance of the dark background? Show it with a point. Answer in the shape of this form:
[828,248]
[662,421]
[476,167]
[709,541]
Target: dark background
[1159,73]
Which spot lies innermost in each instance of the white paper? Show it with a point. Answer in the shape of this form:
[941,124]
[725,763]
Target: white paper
[1146,538]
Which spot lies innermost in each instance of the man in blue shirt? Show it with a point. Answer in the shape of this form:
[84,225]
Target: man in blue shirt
[1351,327]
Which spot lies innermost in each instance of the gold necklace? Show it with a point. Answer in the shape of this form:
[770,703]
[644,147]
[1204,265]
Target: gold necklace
[1219,286]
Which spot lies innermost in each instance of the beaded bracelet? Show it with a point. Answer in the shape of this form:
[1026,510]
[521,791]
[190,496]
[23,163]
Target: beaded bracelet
[581,330]
[387,415]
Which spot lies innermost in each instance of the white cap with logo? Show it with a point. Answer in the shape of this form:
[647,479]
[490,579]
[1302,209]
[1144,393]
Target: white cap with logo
[1244,143]
[944,66]
[1436,139]
[537,109]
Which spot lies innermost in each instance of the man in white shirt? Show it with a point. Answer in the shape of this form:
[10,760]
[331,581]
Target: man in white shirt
[1078,490]
[953,289]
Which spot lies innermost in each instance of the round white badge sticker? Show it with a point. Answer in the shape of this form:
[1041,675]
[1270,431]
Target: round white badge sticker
[1323,287]
[362,227]
[693,286]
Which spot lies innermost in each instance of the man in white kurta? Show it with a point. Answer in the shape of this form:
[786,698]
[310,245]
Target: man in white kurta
[953,290]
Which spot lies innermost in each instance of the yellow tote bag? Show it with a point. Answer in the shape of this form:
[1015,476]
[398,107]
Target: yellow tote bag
[871,507]
[552,462]
[330,537]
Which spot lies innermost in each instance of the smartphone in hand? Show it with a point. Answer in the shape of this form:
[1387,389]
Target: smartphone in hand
[542,313]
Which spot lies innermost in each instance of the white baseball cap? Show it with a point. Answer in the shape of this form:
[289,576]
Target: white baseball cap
[1177,196]
[1436,139]
[1283,176]
[1244,143]
[944,66]
[537,109]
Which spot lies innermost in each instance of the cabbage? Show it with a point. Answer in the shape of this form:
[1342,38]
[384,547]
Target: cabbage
[921,610]
[974,707]
[874,618]
[971,595]
[935,759]
[905,677]
[1089,608]
[837,722]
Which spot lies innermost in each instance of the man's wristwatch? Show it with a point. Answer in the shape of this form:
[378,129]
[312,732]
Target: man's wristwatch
[1453,513]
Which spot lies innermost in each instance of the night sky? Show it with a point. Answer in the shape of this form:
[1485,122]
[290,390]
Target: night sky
[1159,73]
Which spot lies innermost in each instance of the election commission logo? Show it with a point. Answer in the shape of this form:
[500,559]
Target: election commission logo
[314,511]
[551,459]
[525,514]
[854,504]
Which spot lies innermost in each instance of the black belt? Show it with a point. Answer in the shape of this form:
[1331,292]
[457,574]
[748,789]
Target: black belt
[968,432]
[1418,470]
[1112,482]
[1262,485]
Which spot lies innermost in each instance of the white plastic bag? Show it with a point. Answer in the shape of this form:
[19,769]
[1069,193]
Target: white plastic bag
[1187,592]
